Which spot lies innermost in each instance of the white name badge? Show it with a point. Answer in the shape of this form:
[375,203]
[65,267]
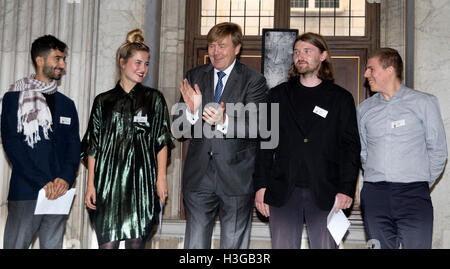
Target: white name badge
[65,120]
[140,119]
[321,112]
[399,123]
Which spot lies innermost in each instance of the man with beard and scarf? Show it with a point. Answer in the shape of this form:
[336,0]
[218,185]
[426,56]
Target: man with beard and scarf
[39,128]
[316,162]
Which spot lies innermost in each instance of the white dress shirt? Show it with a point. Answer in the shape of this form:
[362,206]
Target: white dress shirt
[192,118]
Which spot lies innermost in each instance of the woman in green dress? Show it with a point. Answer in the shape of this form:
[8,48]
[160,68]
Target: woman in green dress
[126,147]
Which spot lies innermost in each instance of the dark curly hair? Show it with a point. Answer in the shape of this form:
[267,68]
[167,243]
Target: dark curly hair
[42,46]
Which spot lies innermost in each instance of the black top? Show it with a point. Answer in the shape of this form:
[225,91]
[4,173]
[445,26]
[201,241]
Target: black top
[50,99]
[305,98]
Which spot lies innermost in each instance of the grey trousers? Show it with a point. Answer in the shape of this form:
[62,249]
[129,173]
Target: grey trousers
[201,207]
[22,225]
[286,223]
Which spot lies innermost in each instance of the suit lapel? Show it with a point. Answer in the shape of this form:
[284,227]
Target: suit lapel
[208,87]
[231,89]
[55,117]
[325,103]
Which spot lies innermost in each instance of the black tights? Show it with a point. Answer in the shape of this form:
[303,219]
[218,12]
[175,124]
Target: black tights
[135,243]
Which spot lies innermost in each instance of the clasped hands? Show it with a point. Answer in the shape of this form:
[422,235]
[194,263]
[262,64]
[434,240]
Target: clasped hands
[56,188]
[193,99]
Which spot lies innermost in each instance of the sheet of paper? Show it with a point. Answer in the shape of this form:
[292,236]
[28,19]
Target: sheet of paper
[337,224]
[160,216]
[60,206]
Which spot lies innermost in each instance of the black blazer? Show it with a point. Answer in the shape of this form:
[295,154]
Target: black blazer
[331,152]
[234,157]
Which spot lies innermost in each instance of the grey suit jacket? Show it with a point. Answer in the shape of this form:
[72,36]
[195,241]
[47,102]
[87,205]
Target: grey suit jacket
[234,157]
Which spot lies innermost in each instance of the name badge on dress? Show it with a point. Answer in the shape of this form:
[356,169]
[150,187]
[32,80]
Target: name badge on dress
[399,123]
[65,120]
[320,111]
[140,119]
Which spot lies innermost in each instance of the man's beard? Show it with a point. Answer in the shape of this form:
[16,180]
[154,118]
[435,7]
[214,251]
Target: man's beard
[50,72]
[306,68]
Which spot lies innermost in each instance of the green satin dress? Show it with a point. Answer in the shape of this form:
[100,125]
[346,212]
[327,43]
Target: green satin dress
[124,135]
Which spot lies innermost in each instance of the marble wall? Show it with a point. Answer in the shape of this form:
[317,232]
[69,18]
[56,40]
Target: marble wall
[431,74]
[431,67]
[170,76]
[115,19]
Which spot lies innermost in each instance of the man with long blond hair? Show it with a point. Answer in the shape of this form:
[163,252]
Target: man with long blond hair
[316,162]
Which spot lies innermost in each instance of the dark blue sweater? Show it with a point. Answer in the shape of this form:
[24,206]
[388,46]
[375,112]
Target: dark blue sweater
[33,168]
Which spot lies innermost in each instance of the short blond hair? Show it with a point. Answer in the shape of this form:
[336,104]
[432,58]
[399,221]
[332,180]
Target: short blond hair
[390,57]
[224,29]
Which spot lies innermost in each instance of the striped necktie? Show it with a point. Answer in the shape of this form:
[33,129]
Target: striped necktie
[219,87]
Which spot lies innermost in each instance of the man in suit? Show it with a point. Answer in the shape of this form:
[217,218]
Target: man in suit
[39,128]
[317,159]
[218,170]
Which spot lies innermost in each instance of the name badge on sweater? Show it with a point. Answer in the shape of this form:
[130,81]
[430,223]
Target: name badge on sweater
[399,123]
[320,111]
[140,119]
[65,120]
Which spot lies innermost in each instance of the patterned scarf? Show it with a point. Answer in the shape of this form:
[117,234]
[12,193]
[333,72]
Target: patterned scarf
[33,109]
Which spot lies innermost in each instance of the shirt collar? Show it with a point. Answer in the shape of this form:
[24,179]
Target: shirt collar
[228,70]
[397,96]
[132,92]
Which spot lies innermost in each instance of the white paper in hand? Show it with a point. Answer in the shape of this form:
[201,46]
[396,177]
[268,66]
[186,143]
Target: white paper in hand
[161,205]
[60,206]
[337,224]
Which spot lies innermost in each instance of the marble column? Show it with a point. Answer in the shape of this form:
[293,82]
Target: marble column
[170,76]
[392,28]
[153,40]
[171,73]
[115,18]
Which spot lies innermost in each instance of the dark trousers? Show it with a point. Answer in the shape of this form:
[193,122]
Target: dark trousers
[286,223]
[201,207]
[398,213]
[22,225]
